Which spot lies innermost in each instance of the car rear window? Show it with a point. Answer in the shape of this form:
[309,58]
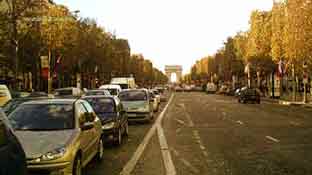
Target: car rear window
[102,105]
[136,95]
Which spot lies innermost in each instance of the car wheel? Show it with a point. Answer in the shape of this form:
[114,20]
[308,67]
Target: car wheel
[118,138]
[77,169]
[239,101]
[100,153]
[126,133]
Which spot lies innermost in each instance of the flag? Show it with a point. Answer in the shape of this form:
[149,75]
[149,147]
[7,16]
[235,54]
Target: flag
[57,66]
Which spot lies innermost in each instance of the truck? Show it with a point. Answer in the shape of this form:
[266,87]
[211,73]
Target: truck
[124,82]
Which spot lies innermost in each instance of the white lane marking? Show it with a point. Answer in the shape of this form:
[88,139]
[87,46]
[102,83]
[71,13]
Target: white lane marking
[240,122]
[185,162]
[294,123]
[181,122]
[178,130]
[129,167]
[170,168]
[272,139]
[191,123]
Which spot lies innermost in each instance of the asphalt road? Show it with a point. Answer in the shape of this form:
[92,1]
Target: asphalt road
[215,135]
[115,158]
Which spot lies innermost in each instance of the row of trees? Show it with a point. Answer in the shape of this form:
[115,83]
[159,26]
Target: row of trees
[282,35]
[33,28]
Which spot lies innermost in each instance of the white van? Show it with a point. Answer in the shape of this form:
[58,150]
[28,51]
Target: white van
[112,88]
[124,82]
[5,94]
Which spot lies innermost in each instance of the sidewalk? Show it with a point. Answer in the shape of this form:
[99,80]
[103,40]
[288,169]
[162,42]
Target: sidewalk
[286,101]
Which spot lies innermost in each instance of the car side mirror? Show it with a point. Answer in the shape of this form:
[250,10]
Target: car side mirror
[87,126]
[122,112]
[90,117]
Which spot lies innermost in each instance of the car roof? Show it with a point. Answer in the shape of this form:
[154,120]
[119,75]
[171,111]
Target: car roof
[114,86]
[67,88]
[53,101]
[98,96]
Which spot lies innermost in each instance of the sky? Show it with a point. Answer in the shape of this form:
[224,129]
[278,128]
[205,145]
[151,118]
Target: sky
[171,32]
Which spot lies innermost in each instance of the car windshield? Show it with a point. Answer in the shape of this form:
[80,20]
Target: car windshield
[43,117]
[135,95]
[102,105]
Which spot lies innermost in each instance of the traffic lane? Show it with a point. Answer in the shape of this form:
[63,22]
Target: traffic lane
[115,158]
[151,162]
[273,134]
[229,147]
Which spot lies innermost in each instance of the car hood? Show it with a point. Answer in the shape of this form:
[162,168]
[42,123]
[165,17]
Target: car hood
[134,105]
[106,117]
[38,143]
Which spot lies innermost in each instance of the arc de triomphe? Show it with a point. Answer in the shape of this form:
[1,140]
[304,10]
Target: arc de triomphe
[177,69]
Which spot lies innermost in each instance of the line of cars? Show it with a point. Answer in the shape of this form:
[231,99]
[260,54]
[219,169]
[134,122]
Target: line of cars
[62,134]
[243,94]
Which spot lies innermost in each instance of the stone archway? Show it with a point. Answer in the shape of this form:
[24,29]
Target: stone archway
[177,69]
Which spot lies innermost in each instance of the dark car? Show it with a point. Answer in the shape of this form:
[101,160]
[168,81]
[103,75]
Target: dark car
[13,158]
[249,95]
[11,105]
[112,115]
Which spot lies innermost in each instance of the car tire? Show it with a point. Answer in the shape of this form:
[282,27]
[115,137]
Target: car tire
[239,101]
[77,168]
[100,152]
[118,138]
[126,132]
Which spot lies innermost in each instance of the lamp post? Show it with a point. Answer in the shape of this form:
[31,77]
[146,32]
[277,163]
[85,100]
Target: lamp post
[305,81]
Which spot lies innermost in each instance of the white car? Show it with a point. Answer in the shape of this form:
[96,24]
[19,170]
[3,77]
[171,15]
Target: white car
[211,88]
[5,95]
[112,88]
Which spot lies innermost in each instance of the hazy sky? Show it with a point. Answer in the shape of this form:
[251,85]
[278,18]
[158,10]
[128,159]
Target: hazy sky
[171,31]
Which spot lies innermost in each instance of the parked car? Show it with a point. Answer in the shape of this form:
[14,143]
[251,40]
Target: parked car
[187,88]
[97,92]
[211,88]
[5,95]
[138,104]
[112,88]
[13,158]
[11,105]
[113,117]
[68,92]
[249,95]
[238,91]
[19,94]
[155,101]
[59,136]
[223,90]
[178,89]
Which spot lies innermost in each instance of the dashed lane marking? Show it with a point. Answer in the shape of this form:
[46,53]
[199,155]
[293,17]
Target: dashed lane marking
[272,139]
[181,122]
[185,162]
[170,168]
[191,123]
[129,167]
[240,122]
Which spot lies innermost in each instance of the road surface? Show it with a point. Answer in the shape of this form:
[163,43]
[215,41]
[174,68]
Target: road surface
[215,135]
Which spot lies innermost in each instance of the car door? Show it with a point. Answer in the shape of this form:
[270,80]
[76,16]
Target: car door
[86,135]
[96,131]
[122,117]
